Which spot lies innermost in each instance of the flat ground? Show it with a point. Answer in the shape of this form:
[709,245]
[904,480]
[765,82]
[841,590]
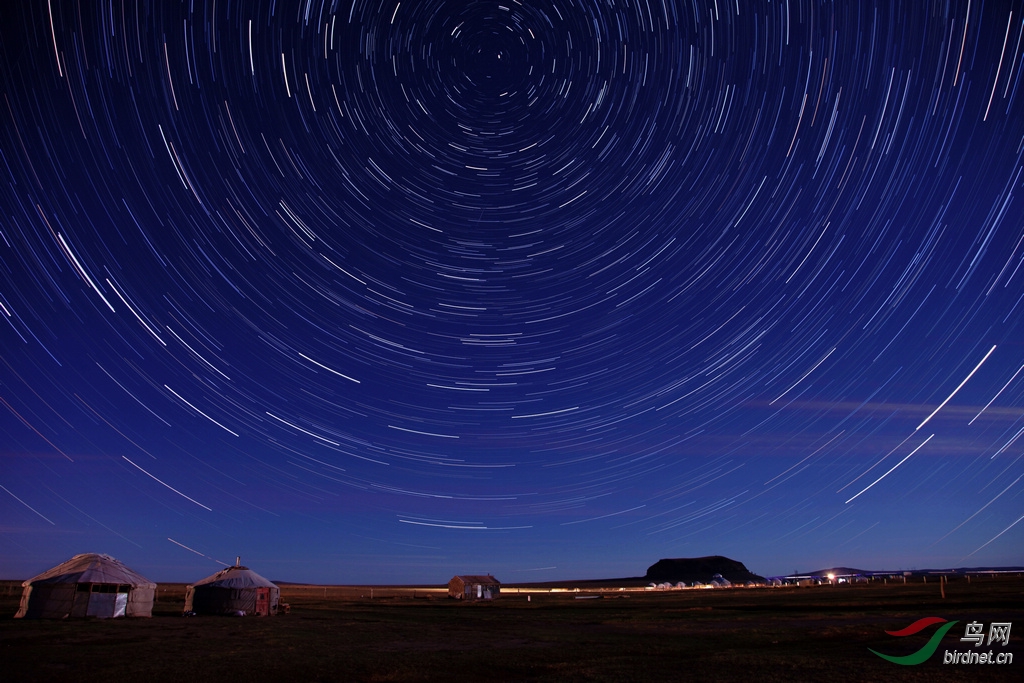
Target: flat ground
[362,633]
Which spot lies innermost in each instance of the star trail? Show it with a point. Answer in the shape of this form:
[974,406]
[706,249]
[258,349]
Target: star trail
[387,291]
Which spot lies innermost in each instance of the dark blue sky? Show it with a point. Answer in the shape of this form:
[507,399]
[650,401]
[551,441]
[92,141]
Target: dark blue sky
[371,292]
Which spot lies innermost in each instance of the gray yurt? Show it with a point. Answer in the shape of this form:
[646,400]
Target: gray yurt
[88,585]
[233,591]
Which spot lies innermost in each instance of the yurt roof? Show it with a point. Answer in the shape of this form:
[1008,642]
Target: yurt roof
[92,568]
[485,579]
[235,577]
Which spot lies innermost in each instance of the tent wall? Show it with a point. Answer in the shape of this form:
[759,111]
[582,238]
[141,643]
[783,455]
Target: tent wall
[140,602]
[63,600]
[46,601]
[80,608]
[216,600]
[206,599]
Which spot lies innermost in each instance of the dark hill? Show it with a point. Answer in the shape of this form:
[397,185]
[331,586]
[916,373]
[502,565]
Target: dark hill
[840,571]
[703,569]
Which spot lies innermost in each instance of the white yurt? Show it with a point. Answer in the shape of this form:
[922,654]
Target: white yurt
[233,591]
[87,585]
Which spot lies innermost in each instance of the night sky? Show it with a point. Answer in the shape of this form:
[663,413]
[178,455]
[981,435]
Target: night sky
[371,292]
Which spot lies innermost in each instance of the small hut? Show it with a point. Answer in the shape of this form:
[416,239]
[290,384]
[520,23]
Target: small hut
[87,585]
[473,587]
[233,591]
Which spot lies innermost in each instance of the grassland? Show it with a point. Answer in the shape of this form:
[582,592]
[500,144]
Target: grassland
[363,633]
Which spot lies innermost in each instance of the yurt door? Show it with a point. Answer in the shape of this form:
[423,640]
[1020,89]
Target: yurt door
[263,601]
[81,604]
[102,603]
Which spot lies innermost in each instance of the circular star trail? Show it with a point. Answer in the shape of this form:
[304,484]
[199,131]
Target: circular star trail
[569,285]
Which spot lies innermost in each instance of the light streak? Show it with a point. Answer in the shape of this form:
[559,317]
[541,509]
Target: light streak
[164,483]
[25,504]
[893,468]
[971,374]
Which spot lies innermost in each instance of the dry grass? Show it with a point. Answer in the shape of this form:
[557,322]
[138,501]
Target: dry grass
[338,633]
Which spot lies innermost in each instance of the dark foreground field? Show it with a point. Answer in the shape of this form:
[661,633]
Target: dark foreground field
[340,634]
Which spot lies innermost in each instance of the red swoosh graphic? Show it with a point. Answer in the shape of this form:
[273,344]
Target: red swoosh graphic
[918,625]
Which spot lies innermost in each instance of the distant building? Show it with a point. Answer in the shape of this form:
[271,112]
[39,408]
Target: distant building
[482,587]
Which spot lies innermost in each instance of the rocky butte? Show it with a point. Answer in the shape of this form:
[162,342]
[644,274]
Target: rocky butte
[703,569]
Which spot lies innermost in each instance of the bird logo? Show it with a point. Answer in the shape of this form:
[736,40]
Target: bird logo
[926,650]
